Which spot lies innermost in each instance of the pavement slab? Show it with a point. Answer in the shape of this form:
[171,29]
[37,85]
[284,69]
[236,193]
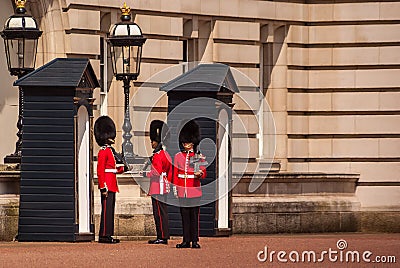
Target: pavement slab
[289,250]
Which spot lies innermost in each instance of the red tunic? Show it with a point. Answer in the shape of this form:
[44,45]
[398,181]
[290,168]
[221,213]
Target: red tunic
[187,184]
[161,173]
[107,170]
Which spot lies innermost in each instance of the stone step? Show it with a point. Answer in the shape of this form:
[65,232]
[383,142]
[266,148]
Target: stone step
[263,184]
[9,167]
[265,166]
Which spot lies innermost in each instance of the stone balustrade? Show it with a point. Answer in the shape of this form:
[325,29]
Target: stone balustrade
[284,203]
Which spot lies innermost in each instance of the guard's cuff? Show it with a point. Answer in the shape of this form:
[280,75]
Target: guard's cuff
[103,190]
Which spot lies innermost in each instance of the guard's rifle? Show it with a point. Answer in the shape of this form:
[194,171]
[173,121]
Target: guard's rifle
[149,160]
[198,160]
[147,164]
[120,159]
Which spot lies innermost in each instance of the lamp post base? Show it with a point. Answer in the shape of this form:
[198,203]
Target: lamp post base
[135,159]
[12,159]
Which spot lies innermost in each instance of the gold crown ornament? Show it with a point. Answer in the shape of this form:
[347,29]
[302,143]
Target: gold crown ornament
[20,3]
[125,10]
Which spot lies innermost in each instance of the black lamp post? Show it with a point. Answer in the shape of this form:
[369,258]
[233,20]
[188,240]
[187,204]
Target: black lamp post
[126,41]
[20,34]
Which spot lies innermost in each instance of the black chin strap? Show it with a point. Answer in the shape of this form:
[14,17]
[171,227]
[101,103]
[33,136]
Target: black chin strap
[150,160]
[158,148]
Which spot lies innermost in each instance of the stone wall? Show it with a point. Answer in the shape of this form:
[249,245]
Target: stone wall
[291,214]
[328,71]
[9,206]
[296,203]
[380,221]
[9,202]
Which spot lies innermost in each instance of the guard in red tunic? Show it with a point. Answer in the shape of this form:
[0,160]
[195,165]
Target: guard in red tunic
[104,131]
[160,177]
[186,179]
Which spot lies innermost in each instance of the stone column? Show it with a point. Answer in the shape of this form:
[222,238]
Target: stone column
[275,88]
[205,41]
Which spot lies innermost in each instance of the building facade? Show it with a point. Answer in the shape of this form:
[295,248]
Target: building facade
[327,71]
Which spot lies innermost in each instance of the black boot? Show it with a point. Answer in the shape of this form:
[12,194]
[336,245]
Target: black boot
[183,245]
[195,245]
[159,241]
[108,240]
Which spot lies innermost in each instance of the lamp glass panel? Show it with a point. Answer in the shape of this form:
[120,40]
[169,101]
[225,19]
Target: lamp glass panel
[30,23]
[135,30]
[128,64]
[113,59]
[22,53]
[30,53]
[118,59]
[16,53]
[121,30]
[138,58]
[126,59]
[133,59]
[15,22]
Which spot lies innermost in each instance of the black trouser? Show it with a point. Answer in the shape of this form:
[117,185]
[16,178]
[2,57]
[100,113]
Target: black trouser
[107,214]
[160,213]
[190,211]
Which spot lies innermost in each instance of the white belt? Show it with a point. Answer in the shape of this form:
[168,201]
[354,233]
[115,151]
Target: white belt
[162,182]
[111,170]
[183,176]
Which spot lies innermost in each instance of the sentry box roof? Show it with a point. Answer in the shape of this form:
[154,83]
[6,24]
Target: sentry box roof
[61,72]
[205,77]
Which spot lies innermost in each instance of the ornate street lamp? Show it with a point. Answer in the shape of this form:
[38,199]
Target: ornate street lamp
[126,41]
[20,34]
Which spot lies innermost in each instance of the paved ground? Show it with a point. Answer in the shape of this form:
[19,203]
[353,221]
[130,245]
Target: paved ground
[234,251]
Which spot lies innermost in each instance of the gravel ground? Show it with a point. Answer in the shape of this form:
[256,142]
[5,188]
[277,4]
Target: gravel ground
[234,251]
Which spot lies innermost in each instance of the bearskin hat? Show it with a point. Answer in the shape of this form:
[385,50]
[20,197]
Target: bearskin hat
[190,132]
[104,130]
[159,131]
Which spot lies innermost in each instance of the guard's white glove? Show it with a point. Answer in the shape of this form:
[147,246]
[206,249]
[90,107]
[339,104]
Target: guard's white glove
[175,191]
[131,167]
